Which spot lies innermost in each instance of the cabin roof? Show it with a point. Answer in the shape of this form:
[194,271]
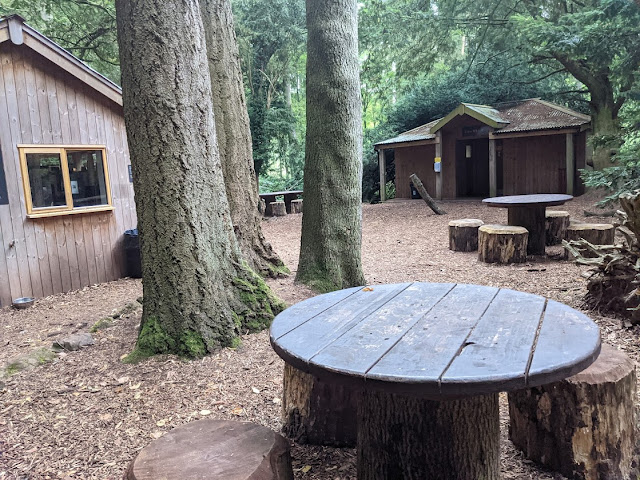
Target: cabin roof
[519,116]
[14,29]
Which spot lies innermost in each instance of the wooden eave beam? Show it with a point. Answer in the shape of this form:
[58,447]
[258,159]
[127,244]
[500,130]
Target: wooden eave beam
[417,143]
[537,133]
[463,110]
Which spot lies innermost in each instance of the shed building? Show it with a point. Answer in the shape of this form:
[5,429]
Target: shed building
[513,148]
[66,196]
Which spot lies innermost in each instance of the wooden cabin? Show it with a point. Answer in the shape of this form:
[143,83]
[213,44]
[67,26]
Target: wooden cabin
[521,147]
[66,194]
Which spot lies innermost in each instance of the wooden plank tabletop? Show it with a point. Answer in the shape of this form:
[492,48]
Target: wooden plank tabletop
[435,340]
[288,192]
[540,199]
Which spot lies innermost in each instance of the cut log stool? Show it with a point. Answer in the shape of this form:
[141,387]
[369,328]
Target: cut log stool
[556,223]
[463,234]
[278,209]
[296,206]
[595,233]
[502,244]
[215,449]
[582,427]
[317,412]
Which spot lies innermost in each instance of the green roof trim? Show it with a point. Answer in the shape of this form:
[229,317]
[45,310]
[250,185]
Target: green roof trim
[482,113]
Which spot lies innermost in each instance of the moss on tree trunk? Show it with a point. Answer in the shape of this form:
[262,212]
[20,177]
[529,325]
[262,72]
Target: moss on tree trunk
[199,293]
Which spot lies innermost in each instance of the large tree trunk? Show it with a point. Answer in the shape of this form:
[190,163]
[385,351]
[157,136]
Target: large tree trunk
[332,222]
[234,137]
[198,292]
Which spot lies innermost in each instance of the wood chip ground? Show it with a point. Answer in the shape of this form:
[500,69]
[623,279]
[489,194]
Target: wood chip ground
[86,415]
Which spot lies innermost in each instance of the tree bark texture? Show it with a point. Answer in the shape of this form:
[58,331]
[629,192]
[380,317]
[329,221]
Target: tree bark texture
[502,244]
[330,249]
[582,427]
[556,223]
[234,137]
[215,449]
[595,233]
[318,412]
[425,195]
[198,291]
[463,234]
[410,438]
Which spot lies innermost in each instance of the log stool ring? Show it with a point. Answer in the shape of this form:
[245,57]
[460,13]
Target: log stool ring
[463,234]
[502,244]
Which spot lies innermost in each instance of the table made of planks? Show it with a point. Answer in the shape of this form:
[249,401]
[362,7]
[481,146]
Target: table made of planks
[528,211]
[430,359]
[288,195]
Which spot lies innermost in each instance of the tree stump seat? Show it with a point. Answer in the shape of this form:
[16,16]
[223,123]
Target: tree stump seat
[296,206]
[463,234]
[502,244]
[278,209]
[595,233]
[556,224]
[582,427]
[214,449]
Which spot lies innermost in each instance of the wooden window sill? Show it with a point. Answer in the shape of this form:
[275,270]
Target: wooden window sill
[60,213]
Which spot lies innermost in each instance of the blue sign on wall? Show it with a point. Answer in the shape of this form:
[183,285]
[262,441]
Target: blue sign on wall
[4,198]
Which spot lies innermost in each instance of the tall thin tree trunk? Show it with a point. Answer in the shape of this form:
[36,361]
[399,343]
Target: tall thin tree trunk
[199,293]
[332,222]
[234,137]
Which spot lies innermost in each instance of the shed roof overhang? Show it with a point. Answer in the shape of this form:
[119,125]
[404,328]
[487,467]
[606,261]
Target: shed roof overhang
[14,29]
[483,113]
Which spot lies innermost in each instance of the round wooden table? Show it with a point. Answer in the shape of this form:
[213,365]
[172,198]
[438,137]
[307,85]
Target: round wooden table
[431,359]
[528,211]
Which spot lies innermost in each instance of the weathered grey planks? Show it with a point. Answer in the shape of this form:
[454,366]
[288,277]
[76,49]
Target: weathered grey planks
[435,340]
[43,105]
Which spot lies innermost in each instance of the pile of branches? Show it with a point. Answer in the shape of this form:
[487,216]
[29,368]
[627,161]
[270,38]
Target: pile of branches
[614,283]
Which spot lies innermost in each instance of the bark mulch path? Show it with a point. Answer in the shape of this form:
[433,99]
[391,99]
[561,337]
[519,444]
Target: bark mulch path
[85,415]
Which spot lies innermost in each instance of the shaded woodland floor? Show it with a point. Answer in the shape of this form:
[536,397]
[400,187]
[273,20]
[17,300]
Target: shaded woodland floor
[87,414]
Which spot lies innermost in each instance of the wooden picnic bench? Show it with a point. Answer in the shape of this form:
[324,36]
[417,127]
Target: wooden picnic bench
[288,195]
[430,359]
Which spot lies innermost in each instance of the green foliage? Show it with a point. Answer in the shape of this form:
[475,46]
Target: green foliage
[154,340]
[101,324]
[259,307]
[86,28]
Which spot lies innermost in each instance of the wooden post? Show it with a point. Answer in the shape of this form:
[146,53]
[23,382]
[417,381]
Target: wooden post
[493,172]
[439,174]
[383,175]
[570,163]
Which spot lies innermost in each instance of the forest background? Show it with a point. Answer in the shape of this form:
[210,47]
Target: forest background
[418,59]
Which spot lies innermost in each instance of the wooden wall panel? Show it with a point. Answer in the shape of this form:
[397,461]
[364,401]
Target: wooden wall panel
[41,104]
[534,164]
[418,160]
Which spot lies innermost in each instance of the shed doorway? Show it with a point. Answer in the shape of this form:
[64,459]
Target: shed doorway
[472,168]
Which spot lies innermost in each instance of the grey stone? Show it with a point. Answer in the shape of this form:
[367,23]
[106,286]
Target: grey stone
[74,342]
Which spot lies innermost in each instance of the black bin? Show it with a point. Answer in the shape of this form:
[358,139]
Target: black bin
[132,253]
[414,192]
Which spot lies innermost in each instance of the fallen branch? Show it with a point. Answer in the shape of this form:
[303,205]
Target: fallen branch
[605,213]
[425,196]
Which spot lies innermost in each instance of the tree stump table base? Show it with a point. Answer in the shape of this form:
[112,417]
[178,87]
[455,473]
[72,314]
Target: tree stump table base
[278,209]
[582,427]
[318,412]
[409,438]
[595,233]
[502,244]
[556,223]
[463,234]
[217,450]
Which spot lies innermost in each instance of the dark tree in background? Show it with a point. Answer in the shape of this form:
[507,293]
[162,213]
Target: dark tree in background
[332,223]
[198,291]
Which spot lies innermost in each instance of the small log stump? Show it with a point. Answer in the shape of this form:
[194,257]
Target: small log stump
[278,209]
[318,412]
[595,233]
[404,437]
[582,427]
[215,449]
[502,244]
[296,206]
[556,224]
[463,234]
